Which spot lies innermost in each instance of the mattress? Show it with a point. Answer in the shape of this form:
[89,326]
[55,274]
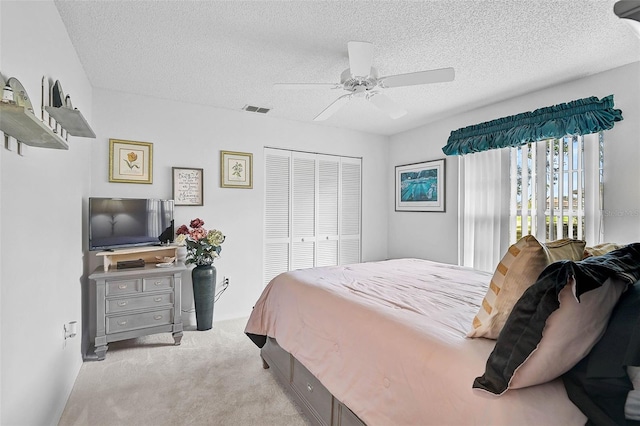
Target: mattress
[388,339]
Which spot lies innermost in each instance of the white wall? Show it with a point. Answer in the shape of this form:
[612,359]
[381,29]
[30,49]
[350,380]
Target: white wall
[41,218]
[435,235]
[186,135]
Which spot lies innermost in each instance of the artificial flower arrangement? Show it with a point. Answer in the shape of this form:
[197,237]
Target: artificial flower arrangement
[202,246]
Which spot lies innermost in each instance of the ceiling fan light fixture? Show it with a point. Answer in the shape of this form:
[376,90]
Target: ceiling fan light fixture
[629,12]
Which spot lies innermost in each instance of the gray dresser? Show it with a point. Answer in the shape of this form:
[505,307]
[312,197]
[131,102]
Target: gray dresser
[136,302]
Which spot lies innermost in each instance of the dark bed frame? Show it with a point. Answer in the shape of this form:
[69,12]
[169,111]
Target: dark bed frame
[320,407]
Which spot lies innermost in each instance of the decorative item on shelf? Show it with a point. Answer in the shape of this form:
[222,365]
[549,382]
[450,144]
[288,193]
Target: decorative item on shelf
[7,95]
[202,248]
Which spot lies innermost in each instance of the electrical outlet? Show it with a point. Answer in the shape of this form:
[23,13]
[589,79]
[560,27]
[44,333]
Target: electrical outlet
[226,281]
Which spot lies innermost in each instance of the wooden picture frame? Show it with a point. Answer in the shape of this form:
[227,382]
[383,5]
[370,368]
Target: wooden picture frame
[236,169]
[187,184]
[420,187]
[130,161]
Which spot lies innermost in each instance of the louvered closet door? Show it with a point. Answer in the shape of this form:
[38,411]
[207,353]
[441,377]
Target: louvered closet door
[328,210]
[303,211]
[312,211]
[277,208]
[350,218]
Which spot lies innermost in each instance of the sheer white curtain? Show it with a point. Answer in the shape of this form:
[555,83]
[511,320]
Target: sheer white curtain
[484,208]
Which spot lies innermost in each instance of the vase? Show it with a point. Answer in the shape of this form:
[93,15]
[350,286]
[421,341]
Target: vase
[181,253]
[204,290]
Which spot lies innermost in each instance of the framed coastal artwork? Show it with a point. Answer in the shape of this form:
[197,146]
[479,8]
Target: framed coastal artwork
[187,186]
[420,187]
[236,169]
[130,162]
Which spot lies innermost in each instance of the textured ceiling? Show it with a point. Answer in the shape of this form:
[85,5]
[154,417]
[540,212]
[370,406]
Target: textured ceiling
[230,53]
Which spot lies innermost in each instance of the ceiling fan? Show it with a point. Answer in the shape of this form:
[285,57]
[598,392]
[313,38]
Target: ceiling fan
[361,80]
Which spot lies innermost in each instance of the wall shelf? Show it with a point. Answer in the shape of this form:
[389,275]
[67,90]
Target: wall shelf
[71,120]
[21,124]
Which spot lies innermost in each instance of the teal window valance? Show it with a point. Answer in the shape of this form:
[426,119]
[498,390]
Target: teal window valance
[579,117]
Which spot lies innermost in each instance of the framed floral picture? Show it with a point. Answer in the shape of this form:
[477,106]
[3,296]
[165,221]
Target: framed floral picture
[236,169]
[187,186]
[420,187]
[130,162]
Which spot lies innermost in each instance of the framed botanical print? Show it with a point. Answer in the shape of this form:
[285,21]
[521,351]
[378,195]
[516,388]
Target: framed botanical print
[420,187]
[130,162]
[236,169]
[187,186]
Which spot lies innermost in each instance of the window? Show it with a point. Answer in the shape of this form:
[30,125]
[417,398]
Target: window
[557,189]
[312,211]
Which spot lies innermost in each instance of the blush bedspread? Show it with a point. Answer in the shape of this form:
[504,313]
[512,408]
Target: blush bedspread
[388,340]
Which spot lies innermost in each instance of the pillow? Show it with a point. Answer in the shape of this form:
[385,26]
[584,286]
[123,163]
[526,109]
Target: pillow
[569,333]
[518,269]
[600,249]
[548,332]
[565,249]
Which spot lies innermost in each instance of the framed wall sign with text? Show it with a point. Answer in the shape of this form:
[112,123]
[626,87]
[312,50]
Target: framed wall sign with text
[187,186]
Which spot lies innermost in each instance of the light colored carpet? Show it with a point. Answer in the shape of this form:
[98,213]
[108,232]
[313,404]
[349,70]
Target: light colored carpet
[214,377]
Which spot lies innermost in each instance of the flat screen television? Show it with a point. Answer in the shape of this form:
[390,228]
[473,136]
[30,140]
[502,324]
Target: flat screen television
[129,222]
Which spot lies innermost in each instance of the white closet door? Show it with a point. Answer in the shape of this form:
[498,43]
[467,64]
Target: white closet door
[328,210]
[312,211]
[277,212]
[303,211]
[351,173]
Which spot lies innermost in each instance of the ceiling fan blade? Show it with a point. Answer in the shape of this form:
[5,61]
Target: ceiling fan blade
[387,105]
[307,85]
[421,77]
[331,109]
[360,58]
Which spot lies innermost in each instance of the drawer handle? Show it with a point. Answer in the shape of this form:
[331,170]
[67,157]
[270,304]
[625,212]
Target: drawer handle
[158,299]
[158,283]
[309,387]
[123,303]
[122,323]
[157,317]
[123,286]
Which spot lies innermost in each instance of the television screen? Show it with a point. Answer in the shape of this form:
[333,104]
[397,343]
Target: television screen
[129,222]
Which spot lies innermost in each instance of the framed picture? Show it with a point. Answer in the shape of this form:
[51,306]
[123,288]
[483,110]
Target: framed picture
[187,186]
[236,169]
[130,162]
[420,187]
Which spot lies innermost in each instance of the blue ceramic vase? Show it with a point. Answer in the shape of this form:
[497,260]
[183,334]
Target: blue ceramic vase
[204,291]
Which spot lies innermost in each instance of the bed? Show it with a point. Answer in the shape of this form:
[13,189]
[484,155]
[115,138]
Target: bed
[385,343]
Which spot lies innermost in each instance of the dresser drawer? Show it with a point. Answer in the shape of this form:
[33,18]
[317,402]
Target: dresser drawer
[139,302]
[117,324]
[313,391]
[116,287]
[157,283]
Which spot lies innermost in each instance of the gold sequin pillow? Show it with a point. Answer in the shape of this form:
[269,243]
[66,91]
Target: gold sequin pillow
[517,271]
